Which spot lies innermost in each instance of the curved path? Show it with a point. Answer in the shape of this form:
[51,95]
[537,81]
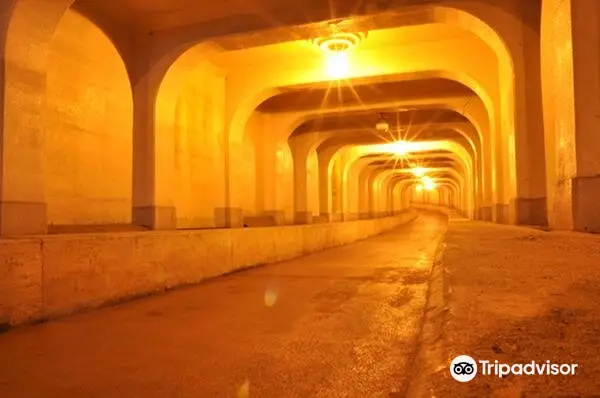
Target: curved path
[340,323]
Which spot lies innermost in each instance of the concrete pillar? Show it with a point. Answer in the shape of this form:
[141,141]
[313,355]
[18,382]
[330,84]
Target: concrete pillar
[529,205]
[352,169]
[337,190]
[153,152]
[269,159]
[364,188]
[325,158]
[570,39]
[302,215]
[372,194]
[23,61]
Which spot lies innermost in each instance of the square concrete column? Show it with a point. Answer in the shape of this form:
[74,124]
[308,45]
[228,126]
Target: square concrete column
[485,213]
[277,215]
[23,218]
[229,217]
[351,217]
[570,39]
[155,217]
[303,217]
[586,203]
[365,216]
[529,211]
[23,207]
[326,217]
[501,213]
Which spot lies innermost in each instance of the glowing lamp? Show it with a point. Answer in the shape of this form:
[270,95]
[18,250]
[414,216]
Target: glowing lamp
[418,171]
[428,184]
[337,65]
[399,148]
[336,49]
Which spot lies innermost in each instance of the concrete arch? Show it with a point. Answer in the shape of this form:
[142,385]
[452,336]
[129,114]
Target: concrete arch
[24,74]
[271,131]
[447,194]
[405,193]
[405,184]
[308,142]
[477,115]
[483,20]
[27,60]
[385,181]
[366,188]
[459,16]
[335,165]
[188,139]
[315,140]
[350,200]
[252,94]
[236,194]
[514,142]
[443,14]
[515,131]
[88,124]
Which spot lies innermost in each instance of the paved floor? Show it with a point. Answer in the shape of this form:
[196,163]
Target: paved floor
[341,323]
[518,295]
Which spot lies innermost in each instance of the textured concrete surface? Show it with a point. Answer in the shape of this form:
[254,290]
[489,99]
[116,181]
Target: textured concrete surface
[88,128]
[518,295]
[339,323]
[50,276]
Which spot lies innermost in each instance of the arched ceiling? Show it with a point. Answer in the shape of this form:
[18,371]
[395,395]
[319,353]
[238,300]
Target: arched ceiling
[360,92]
[366,120]
[244,33]
[240,16]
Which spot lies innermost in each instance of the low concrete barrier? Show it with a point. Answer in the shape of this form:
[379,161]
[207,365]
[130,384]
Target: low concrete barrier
[52,275]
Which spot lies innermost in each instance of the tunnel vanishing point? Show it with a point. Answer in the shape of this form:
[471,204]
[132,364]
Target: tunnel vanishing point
[169,131]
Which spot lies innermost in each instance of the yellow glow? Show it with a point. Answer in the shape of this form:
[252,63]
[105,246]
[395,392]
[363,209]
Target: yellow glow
[419,171]
[337,65]
[419,188]
[270,297]
[428,183]
[399,148]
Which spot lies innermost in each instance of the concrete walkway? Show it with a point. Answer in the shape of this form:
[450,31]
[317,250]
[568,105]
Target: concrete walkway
[341,323]
[518,295]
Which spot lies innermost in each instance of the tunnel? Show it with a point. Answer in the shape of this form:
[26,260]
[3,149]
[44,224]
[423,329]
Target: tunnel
[157,146]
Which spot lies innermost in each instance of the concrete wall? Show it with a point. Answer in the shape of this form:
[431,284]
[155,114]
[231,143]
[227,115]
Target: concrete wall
[49,276]
[265,171]
[189,160]
[88,134]
[198,137]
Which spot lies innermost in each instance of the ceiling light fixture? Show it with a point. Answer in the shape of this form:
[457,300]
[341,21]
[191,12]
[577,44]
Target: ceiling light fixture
[399,148]
[337,65]
[339,42]
[336,49]
[419,171]
[381,125]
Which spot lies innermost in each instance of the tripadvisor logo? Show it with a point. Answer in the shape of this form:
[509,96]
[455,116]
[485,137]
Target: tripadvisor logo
[463,368]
